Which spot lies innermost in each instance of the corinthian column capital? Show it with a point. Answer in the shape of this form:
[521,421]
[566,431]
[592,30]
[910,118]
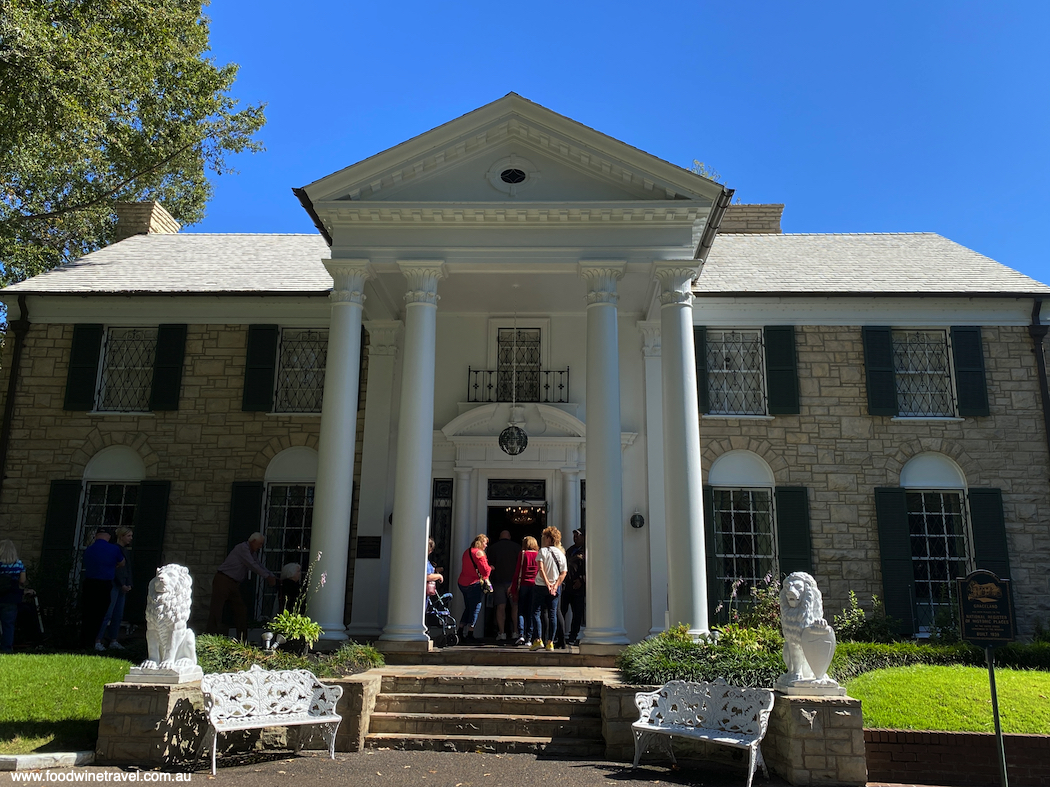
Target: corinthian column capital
[601,278]
[423,277]
[383,336]
[650,339]
[348,280]
[676,278]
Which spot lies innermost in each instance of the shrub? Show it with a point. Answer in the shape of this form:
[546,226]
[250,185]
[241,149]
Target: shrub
[222,654]
[853,625]
[353,657]
[668,656]
[295,626]
[760,639]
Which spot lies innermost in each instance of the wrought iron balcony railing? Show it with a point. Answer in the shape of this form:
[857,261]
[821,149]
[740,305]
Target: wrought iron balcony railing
[546,386]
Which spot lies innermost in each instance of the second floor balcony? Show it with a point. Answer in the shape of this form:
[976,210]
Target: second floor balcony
[544,386]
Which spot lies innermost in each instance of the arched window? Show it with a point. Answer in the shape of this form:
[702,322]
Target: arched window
[111,493]
[744,549]
[288,518]
[935,497]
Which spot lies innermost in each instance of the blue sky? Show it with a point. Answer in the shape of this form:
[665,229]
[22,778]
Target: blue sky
[860,117]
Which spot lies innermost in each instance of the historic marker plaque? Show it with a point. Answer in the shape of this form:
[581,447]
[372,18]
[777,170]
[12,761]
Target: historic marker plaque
[986,615]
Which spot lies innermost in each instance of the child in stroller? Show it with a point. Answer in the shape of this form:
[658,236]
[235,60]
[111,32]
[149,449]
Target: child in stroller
[441,625]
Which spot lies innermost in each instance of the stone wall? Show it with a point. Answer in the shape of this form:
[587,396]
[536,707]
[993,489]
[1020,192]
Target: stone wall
[841,454]
[202,448]
[816,740]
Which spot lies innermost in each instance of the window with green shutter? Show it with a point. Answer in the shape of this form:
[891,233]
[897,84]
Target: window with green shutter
[746,371]
[925,373]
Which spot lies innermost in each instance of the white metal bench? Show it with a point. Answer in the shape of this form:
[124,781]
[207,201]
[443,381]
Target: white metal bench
[714,712]
[262,698]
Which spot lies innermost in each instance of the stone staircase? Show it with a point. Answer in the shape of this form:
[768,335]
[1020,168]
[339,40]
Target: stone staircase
[457,709]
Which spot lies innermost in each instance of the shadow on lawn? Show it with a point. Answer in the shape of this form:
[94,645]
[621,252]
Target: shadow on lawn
[70,734]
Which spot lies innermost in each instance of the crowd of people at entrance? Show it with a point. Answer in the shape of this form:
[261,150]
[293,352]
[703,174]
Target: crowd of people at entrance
[538,583]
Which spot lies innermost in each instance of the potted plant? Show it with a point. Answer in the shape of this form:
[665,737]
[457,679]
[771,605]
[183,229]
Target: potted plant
[292,627]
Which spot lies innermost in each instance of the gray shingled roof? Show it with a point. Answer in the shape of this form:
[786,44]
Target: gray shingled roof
[188,262]
[920,263]
[912,263]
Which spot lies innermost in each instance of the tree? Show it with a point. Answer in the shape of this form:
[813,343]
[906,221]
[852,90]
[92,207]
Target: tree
[700,168]
[105,101]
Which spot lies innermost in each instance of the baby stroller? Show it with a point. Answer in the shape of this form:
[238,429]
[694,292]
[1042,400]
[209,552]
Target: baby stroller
[441,625]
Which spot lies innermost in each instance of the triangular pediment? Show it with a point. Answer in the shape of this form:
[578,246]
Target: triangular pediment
[513,151]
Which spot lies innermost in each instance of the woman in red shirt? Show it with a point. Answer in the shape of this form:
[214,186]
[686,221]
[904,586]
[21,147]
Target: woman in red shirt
[523,586]
[473,573]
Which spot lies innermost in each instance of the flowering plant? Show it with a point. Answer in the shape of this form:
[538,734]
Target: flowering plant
[294,623]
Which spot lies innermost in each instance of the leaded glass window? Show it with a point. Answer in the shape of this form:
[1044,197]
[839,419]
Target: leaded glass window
[923,373]
[938,551]
[518,365]
[110,505]
[734,373]
[127,370]
[289,520]
[300,370]
[745,547]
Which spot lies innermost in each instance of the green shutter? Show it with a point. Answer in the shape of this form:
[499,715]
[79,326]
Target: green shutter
[793,545]
[968,354]
[781,370]
[59,549]
[246,505]
[700,353]
[259,369]
[167,368]
[988,525]
[146,553]
[714,588]
[83,367]
[898,576]
[878,364]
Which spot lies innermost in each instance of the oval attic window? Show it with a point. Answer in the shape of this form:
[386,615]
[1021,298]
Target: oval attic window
[512,176]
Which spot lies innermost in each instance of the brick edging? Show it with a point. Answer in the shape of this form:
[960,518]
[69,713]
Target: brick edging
[956,758]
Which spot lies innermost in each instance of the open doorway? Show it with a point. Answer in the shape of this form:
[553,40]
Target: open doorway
[520,520]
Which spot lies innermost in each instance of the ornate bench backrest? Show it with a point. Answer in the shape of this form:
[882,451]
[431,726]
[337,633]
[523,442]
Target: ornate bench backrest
[712,706]
[259,692]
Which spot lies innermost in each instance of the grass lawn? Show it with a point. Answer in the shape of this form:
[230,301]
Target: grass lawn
[53,702]
[953,699]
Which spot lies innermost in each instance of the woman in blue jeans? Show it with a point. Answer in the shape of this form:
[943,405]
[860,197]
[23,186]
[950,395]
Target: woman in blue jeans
[474,572]
[549,578]
[523,588]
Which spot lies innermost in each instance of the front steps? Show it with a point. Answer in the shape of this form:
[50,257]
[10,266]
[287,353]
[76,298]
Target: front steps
[523,711]
[503,656]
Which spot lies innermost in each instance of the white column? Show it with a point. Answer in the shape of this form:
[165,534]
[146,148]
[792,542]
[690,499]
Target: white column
[330,534]
[462,534]
[367,615]
[654,445]
[570,478]
[605,619]
[683,487]
[415,448]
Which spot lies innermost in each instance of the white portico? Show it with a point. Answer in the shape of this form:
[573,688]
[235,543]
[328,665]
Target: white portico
[513,221]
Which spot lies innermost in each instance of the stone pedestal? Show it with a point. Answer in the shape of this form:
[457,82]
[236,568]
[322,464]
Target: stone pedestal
[816,740]
[150,724]
[356,706]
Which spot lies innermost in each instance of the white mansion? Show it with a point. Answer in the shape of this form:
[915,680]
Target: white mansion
[709,398]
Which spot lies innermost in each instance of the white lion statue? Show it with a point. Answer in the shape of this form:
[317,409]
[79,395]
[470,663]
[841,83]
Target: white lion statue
[809,642]
[171,646]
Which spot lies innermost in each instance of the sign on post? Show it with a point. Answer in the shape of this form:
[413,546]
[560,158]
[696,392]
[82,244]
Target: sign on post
[986,615]
[986,619]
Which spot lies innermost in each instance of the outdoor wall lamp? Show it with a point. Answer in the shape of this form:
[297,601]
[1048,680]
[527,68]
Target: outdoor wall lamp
[637,520]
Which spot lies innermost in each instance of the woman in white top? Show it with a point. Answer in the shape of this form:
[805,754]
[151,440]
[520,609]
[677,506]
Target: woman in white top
[549,578]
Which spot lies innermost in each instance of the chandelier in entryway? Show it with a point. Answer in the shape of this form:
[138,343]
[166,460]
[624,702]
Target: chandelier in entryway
[513,440]
[521,515]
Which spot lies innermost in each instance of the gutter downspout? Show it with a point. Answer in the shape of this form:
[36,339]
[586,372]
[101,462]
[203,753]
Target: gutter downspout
[21,328]
[714,221]
[1038,331]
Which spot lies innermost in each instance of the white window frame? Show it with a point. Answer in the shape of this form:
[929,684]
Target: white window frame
[952,411]
[116,465]
[281,386]
[762,408]
[106,369]
[925,611]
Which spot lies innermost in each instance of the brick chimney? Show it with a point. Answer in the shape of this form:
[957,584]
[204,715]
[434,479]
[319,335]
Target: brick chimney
[143,218]
[752,219]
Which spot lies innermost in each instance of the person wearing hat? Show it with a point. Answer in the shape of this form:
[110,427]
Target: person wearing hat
[101,561]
